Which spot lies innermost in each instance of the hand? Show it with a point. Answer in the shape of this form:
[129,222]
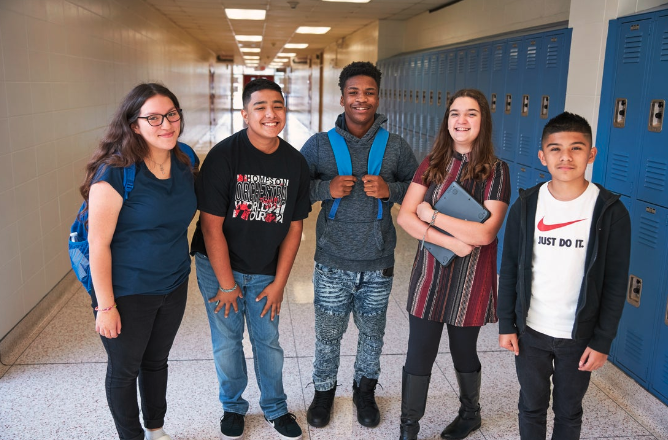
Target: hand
[462,249]
[341,186]
[592,360]
[425,211]
[274,295]
[375,186]
[108,324]
[227,300]
[509,342]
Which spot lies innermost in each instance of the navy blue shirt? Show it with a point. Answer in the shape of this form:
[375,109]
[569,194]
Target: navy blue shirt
[149,250]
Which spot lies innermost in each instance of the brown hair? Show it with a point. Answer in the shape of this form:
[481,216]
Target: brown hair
[482,155]
[121,146]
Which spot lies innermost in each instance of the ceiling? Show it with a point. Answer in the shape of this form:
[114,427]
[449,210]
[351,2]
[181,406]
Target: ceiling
[206,21]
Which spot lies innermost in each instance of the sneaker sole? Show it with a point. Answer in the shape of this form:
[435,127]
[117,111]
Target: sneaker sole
[282,437]
[227,437]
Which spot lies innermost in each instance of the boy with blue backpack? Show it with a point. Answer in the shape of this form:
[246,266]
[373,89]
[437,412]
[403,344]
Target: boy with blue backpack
[358,171]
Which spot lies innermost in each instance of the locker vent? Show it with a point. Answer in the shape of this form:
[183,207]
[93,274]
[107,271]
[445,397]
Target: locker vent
[507,141]
[655,175]
[484,61]
[451,63]
[552,55]
[513,58]
[632,49]
[633,346]
[473,61]
[525,146]
[663,54]
[619,168]
[531,57]
[648,232]
[461,59]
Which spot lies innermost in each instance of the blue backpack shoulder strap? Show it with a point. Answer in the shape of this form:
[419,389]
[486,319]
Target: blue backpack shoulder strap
[129,179]
[344,164]
[187,149]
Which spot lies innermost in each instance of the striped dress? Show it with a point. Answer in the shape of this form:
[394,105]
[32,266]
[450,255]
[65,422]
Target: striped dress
[463,293]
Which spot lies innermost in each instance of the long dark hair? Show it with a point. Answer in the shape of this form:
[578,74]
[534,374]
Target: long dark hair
[121,146]
[482,155]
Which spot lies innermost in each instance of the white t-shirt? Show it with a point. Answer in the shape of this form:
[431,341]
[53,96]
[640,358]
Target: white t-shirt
[559,251]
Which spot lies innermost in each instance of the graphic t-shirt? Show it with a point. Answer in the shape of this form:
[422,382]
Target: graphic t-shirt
[559,252]
[258,194]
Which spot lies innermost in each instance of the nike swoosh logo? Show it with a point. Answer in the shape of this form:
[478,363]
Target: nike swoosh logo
[544,228]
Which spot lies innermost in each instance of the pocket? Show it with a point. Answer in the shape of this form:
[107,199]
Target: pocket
[353,240]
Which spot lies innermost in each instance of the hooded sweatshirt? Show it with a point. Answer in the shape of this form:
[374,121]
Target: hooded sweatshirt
[355,240]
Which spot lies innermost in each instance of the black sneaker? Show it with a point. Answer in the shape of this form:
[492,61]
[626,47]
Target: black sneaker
[320,410]
[286,426]
[231,426]
[364,399]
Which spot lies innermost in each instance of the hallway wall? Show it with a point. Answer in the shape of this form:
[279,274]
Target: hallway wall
[64,66]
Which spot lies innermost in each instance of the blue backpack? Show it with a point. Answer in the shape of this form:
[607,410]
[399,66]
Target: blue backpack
[78,244]
[345,166]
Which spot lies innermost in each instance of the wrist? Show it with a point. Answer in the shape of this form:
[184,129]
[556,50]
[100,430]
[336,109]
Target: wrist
[105,309]
[228,290]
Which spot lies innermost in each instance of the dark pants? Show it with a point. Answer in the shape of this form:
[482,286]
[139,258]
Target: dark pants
[540,358]
[424,337]
[148,327]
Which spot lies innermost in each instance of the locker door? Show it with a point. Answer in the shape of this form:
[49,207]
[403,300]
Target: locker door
[405,103]
[498,80]
[659,378]
[513,196]
[653,181]
[511,100]
[528,142]
[472,62]
[421,103]
[432,98]
[635,337]
[451,75]
[391,96]
[627,113]
[484,83]
[553,68]
[381,65]
[441,91]
[460,80]
[539,176]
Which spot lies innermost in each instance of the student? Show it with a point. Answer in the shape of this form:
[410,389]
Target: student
[461,295]
[563,281]
[354,245]
[139,253]
[252,194]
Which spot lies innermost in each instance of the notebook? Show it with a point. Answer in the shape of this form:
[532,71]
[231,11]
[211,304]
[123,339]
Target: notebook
[456,202]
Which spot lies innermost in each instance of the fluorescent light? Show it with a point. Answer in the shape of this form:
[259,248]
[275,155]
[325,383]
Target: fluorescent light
[251,57]
[250,49]
[312,30]
[281,60]
[348,1]
[296,46]
[245,14]
[286,54]
[248,37]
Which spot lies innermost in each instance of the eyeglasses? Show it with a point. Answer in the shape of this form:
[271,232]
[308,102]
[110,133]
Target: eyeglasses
[157,120]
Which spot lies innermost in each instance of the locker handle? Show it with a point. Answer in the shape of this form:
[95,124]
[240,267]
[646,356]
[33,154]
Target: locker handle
[438,103]
[493,104]
[544,106]
[525,105]
[620,113]
[509,103]
[634,291]
[656,110]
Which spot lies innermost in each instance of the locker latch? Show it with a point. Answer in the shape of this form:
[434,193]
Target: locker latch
[417,96]
[656,112]
[620,113]
[410,95]
[634,291]
[447,98]
[509,102]
[544,107]
[431,97]
[438,102]
[525,105]
[493,104]
[424,96]
[404,96]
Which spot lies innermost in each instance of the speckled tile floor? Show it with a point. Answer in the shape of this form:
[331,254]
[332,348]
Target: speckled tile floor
[55,389]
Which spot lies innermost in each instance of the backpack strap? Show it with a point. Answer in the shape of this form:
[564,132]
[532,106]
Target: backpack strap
[187,149]
[344,164]
[129,179]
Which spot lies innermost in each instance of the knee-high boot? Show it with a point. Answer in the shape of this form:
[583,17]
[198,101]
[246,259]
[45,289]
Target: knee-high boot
[468,419]
[413,403]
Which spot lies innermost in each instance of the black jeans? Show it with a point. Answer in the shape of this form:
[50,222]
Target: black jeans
[540,358]
[148,327]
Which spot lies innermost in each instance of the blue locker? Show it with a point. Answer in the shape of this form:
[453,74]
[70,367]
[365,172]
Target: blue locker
[441,91]
[484,82]
[460,77]
[421,86]
[472,63]
[511,100]
[451,75]
[416,87]
[498,81]
[635,337]
[628,113]
[513,196]
[539,176]
[653,181]
[432,99]
[659,378]
[405,103]
[528,140]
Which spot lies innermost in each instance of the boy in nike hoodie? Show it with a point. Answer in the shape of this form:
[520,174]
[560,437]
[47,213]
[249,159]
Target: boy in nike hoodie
[563,281]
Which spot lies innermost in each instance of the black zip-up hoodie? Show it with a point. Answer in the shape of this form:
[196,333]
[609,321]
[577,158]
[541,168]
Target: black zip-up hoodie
[605,279]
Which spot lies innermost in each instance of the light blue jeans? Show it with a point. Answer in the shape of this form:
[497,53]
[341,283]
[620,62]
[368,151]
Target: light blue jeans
[227,334]
[337,293]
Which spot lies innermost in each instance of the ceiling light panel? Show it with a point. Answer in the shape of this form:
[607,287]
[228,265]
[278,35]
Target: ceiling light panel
[296,46]
[347,1]
[286,54]
[250,49]
[251,57]
[312,29]
[246,14]
[248,37]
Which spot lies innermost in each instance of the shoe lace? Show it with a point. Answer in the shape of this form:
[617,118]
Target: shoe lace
[286,419]
[236,419]
[368,397]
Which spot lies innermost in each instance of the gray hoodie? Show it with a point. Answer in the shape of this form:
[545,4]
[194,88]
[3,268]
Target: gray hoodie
[355,240]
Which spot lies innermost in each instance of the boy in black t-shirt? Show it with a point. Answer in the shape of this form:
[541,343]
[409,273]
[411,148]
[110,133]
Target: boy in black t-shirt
[253,194]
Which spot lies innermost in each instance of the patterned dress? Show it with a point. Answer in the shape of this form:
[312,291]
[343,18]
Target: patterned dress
[463,293]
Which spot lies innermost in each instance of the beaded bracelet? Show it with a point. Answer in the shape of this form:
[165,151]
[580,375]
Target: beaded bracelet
[97,309]
[433,218]
[229,290]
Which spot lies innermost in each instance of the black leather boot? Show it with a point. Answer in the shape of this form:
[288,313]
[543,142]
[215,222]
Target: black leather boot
[413,402]
[468,419]
[364,399]
[320,410]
